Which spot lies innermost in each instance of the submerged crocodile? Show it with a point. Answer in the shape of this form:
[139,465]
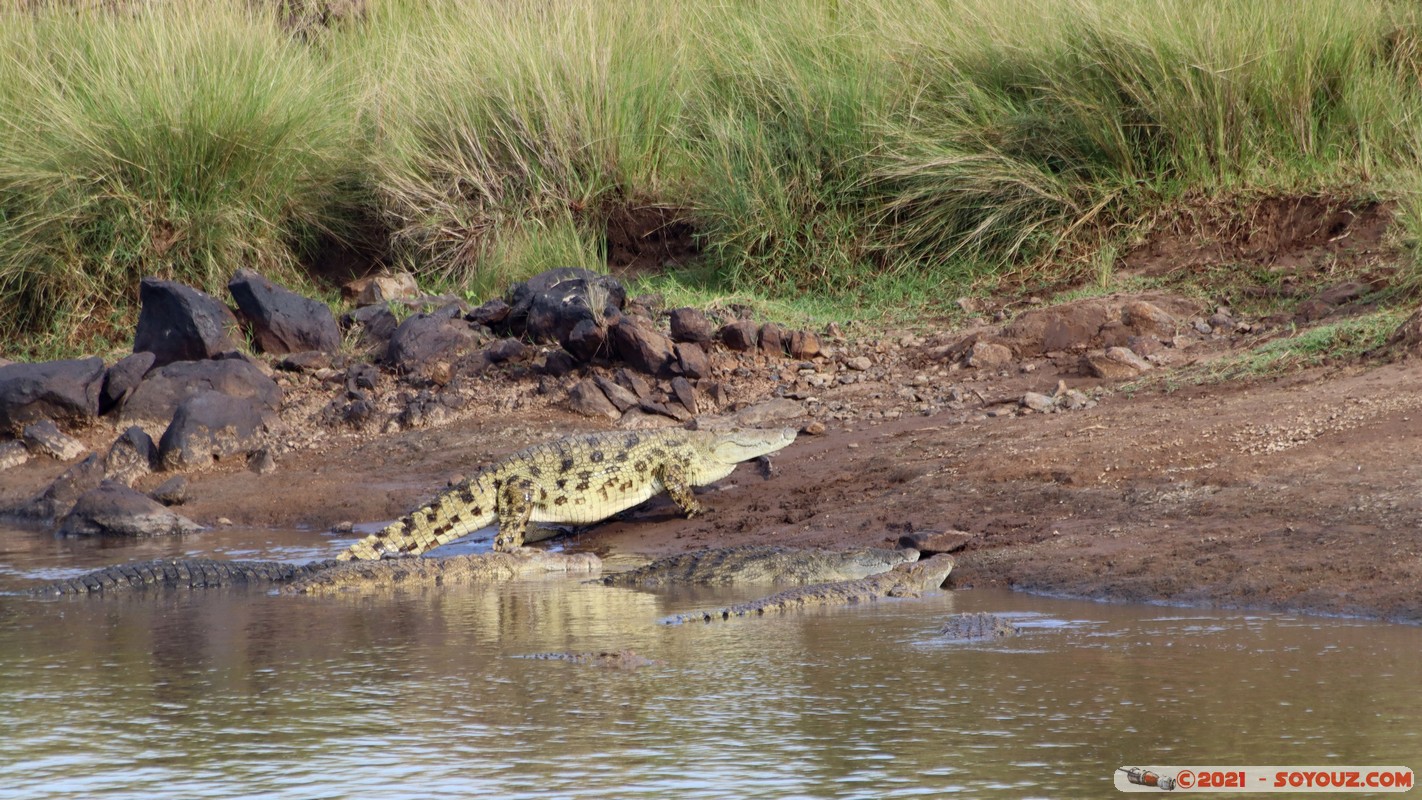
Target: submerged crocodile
[761,564]
[978,625]
[419,573]
[905,580]
[620,659]
[182,573]
[579,480]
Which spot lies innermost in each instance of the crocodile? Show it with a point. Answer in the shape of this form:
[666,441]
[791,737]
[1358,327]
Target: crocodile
[420,573]
[760,564]
[978,625]
[620,659]
[182,573]
[579,479]
[905,580]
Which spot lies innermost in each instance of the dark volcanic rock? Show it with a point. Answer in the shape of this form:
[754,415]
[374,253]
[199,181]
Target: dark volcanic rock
[283,321]
[44,437]
[132,455]
[210,425]
[158,397]
[172,492]
[740,335]
[59,496]
[377,324]
[587,398]
[305,361]
[620,396]
[112,509]
[426,338]
[690,325]
[559,363]
[685,393]
[180,323]
[804,345]
[491,314]
[692,360]
[508,349]
[772,339]
[58,390]
[122,378]
[586,340]
[549,305]
[642,347]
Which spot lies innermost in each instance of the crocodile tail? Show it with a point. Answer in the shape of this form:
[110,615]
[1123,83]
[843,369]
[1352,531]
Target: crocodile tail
[456,513]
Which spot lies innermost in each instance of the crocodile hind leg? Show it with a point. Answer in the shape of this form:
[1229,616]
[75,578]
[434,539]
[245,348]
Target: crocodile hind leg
[515,506]
[674,480]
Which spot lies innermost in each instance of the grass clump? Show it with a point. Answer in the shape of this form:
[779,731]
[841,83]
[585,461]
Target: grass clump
[174,140]
[906,149]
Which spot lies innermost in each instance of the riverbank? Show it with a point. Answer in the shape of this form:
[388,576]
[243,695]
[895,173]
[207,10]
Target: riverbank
[1289,493]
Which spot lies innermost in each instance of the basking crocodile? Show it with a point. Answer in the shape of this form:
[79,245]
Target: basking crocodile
[978,625]
[326,576]
[580,480]
[182,573]
[761,564]
[905,580]
[419,573]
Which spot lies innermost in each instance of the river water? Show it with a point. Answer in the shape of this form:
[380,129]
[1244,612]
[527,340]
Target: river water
[430,694]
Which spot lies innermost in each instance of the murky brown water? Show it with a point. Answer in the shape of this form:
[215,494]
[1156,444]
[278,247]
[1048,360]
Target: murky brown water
[241,694]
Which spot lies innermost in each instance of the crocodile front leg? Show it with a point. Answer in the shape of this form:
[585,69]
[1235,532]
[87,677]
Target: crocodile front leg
[674,480]
[514,509]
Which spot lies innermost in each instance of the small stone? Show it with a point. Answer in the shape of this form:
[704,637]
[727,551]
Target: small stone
[815,428]
[641,347]
[344,526]
[772,339]
[692,360]
[690,325]
[988,355]
[262,462]
[44,437]
[508,349]
[1147,318]
[587,398]
[1221,322]
[859,363]
[131,456]
[1202,327]
[685,393]
[1126,356]
[558,363]
[741,335]
[382,288]
[490,314]
[619,396]
[12,454]
[1040,403]
[172,492]
[804,345]
[224,522]
[308,361]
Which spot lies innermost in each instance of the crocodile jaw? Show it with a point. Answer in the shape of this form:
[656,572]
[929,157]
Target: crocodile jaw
[733,447]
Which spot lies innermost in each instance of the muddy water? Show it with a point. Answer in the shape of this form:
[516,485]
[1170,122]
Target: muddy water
[241,694]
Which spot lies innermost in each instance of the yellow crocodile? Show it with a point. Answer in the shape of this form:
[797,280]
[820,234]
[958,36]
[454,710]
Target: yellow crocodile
[578,480]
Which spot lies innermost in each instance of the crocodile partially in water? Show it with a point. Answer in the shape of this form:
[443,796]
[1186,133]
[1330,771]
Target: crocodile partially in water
[419,573]
[182,573]
[578,480]
[760,564]
[325,576]
[905,580]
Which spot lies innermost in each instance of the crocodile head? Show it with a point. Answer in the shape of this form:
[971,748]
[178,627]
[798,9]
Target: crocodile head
[735,446]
